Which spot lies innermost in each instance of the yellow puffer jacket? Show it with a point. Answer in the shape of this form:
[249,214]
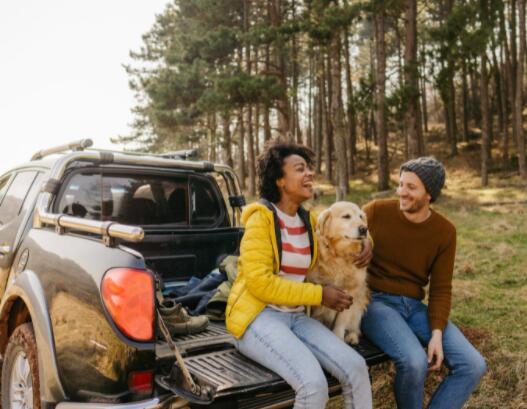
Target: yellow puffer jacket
[258,283]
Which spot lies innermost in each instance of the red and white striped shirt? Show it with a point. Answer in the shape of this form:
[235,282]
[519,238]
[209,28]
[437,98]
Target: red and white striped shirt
[296,252]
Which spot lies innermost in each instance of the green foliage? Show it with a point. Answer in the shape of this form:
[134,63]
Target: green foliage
[463,35]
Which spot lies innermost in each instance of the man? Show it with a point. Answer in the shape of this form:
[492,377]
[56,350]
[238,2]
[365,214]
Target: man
[415,246]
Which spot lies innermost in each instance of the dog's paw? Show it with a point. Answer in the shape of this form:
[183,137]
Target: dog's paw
[352,338]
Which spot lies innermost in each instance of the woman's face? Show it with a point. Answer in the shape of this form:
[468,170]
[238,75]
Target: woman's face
[297,182]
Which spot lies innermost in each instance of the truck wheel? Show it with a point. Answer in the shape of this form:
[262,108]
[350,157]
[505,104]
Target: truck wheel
[20,383]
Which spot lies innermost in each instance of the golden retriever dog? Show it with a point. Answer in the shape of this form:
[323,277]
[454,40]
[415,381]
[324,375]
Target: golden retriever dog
[340,231]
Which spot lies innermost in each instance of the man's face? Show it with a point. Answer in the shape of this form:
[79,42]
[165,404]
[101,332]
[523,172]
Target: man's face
[412,193]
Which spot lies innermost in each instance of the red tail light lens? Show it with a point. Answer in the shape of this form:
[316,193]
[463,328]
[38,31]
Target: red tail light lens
[141,382]
[129,298]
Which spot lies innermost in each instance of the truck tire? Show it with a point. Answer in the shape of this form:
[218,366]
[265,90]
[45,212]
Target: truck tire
[20,382]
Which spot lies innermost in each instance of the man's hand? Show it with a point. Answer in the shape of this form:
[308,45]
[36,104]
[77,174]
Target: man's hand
[363,259]
[435,350]
[335,298]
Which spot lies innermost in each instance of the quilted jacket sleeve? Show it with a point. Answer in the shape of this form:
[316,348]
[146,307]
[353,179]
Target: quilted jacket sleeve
[257,257]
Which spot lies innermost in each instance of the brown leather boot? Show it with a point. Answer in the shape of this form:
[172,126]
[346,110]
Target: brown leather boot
[178,321]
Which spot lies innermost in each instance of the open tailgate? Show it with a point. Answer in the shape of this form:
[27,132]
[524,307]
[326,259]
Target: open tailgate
[216,365]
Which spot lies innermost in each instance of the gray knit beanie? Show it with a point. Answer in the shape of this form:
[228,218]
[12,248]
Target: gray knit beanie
[430,171]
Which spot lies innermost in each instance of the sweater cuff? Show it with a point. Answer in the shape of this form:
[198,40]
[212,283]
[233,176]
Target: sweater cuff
[319,292]
[437,323]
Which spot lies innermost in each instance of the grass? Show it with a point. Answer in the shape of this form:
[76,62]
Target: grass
[490,282]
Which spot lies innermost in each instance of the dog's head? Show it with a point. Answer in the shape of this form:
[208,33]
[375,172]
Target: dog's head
[341,228]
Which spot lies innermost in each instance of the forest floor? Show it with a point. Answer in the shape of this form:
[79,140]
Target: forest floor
[490,278]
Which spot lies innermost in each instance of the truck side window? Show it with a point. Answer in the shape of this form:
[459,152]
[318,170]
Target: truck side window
[15,195]
[146,199]
[82,197]
[143,199]
[4,184]
[205,207]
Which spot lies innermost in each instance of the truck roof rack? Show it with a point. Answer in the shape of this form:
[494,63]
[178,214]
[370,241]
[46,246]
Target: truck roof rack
[79,145]
[183,154]
[83,144]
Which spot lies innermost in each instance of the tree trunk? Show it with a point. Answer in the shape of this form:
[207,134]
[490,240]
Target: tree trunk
[475,111]
[518,120]
[465,99]
[498,94]
[282,104]
[451,109]
[510,73]
[319,106]
[227,141]
[266,124]
[241,149]
[250,152]
[310,114]
[328,131]
[297,134]
[367,134]
[401,111]
[485,113]
[423,93]
[337,119]
[213,135]
[380,95]
[241,132]
[257,111]
[250,136]
[352,115]
[513,35]
[503,101]
[411,77]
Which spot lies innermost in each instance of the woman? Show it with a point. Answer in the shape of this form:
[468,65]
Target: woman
[266,306]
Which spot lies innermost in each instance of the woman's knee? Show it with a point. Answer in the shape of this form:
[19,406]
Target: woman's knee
[313,390]
[356,364]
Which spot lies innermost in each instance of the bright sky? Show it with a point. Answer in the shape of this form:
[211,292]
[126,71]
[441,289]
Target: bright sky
[61,74]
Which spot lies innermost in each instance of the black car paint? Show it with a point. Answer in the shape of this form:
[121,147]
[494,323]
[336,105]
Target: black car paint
[92,357]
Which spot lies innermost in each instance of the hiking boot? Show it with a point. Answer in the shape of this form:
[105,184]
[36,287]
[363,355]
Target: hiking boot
[178,321]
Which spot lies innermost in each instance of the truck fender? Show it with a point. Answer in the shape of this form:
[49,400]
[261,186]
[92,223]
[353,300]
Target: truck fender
[26,286]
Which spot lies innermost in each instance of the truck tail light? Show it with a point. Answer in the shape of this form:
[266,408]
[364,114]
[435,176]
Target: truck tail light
[141,382]
[129,298]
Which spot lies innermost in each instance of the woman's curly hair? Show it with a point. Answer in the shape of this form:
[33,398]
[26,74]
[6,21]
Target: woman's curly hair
[271,162]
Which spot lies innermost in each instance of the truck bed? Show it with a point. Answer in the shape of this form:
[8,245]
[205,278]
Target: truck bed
[212,359]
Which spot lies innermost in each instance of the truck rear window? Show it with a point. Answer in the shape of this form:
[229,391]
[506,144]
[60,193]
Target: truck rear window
[177,200]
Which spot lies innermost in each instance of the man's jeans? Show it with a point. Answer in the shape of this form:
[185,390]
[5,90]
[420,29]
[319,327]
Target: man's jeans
[297,347]
[399,326]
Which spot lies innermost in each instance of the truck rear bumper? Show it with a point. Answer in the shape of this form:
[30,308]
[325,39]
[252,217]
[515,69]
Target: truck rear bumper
[163,402]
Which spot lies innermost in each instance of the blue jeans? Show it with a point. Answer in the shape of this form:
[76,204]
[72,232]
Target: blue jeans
[399,326]
[297,347]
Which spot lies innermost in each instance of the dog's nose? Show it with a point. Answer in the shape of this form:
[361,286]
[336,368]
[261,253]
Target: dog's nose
[363,231]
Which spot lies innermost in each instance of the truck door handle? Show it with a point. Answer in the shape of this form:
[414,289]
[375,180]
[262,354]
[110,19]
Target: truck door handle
[5,250]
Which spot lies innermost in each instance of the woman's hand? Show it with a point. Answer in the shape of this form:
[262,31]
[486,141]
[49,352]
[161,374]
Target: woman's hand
[435,350]
[363,259]
[336,299]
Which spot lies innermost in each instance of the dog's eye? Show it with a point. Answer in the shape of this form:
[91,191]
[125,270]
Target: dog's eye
[346,216]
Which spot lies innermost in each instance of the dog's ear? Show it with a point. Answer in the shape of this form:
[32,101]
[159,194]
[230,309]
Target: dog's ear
[322,221]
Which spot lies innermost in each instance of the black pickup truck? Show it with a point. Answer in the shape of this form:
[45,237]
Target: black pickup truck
[83,235]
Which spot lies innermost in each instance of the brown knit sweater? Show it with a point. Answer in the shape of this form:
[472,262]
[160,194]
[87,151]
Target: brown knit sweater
[408,255]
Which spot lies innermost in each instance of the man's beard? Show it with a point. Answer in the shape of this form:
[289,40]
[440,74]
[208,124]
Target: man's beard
[416,206]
